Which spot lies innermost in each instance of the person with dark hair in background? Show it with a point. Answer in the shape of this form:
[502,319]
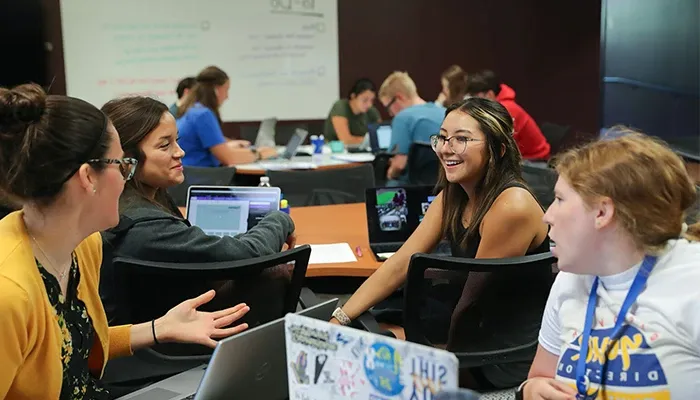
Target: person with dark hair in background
[454,85]
[152,228]
[183,89]
[199,123]
[531,142]
[348,119]
[60,158]
[485,210]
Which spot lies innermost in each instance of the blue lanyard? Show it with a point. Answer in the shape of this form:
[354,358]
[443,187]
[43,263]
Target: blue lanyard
[638,285]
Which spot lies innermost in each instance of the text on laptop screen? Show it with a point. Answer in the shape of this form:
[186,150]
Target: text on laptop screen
[394,213]
[384,136]
[230,212]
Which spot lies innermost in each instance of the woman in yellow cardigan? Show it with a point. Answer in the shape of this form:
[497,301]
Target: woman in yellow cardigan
[61,159]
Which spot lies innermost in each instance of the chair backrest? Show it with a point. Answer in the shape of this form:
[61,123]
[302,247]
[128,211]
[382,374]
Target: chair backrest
[209,176]
[423,164]
[555,135]
[326,186]
[148,289]
[541,179]
[380,164]
[538,265]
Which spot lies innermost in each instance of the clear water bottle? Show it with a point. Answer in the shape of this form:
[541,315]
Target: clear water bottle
[264,181]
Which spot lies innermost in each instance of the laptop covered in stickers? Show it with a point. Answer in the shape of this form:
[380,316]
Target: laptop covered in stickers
[326,361]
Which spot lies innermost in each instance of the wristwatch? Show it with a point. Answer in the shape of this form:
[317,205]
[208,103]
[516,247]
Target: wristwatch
[340,315]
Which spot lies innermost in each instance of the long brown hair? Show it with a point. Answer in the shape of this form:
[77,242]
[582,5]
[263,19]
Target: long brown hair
[134,118]
[456,79]
[502,169]
[204,91]
[647,182]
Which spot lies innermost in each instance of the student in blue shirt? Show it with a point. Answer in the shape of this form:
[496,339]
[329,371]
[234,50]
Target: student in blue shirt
[415,120]
[199,126]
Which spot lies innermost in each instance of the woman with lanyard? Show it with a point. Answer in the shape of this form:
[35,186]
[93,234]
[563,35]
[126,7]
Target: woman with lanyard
[621,321]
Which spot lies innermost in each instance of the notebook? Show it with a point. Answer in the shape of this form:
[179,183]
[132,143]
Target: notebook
[326,361]
[230,210]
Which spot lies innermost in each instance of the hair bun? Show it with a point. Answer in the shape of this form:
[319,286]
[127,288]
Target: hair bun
[24,104]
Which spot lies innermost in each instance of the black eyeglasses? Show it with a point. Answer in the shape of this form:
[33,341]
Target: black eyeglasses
[127,166]
[458,144]
[389,104]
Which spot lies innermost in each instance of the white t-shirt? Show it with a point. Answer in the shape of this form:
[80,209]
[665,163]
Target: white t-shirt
[658,353]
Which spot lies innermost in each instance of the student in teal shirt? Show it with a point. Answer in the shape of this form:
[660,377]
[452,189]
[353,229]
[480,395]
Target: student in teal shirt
[415,120]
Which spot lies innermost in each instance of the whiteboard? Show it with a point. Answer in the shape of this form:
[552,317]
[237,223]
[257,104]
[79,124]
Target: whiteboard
[281,55]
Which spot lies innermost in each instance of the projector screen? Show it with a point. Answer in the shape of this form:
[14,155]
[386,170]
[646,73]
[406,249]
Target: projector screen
[280,55]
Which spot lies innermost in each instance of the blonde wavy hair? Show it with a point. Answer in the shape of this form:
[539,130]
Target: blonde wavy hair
[646,180]
[398,82]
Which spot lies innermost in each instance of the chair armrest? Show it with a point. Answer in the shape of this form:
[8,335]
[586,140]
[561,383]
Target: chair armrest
[148,366]
[367,323]
[307,298]
[522,353]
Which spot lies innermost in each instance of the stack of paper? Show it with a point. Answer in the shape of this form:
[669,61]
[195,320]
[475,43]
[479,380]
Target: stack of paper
[331,253]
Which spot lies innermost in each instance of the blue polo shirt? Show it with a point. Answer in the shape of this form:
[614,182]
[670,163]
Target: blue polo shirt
[199,130]
[415,124]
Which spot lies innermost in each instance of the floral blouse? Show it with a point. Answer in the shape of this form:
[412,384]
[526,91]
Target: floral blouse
[78,336]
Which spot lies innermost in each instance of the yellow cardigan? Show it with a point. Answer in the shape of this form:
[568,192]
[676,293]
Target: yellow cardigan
[30,339]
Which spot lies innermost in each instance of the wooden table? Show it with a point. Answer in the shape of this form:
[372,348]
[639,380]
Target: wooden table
[344,223]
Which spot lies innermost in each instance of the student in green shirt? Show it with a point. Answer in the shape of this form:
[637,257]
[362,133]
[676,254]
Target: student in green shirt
[348,118]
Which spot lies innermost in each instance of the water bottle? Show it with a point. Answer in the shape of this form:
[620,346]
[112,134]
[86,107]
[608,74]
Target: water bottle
[264,181]
[284,206]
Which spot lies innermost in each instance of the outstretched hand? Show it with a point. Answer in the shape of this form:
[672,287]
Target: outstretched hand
[185,324]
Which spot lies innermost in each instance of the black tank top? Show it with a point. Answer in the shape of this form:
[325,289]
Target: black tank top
[473,243]
[508,310]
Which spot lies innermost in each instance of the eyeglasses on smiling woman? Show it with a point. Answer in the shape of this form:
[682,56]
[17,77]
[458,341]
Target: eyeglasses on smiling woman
[458,144]
[127,166]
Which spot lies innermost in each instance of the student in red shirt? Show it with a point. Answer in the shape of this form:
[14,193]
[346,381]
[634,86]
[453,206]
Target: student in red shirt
[531,142]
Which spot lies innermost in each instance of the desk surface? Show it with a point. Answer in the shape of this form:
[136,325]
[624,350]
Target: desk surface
[335,224]
[327,160]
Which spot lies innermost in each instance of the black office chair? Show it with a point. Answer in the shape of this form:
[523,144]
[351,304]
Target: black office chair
[380,164]
[211,176]
[555,135]
[323,187]
[138,277]
[539,265]
[541,179]
[423,164]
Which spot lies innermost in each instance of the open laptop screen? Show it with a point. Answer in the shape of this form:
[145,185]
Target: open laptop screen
[229,210]
[379,136]
[393,213]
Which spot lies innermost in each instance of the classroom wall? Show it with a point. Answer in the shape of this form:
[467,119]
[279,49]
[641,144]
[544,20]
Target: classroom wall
[547,50]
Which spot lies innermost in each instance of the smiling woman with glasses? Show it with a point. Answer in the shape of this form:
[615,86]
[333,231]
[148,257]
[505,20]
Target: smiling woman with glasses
[485,210]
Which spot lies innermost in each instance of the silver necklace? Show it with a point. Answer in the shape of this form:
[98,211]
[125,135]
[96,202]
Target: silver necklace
[61,275]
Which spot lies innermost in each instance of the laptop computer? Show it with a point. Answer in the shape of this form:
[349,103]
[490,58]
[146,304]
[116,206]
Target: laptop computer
[230,210]
[294,142]
[379,137]
[266,133]
[327,361]
[393,213]
[249,365]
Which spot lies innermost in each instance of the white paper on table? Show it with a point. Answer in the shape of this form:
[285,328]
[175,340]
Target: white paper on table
[331,253]
[355,157]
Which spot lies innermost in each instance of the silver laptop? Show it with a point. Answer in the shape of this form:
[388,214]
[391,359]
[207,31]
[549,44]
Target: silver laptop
[250,365]
[230,210]
[294,142]
[266,133]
